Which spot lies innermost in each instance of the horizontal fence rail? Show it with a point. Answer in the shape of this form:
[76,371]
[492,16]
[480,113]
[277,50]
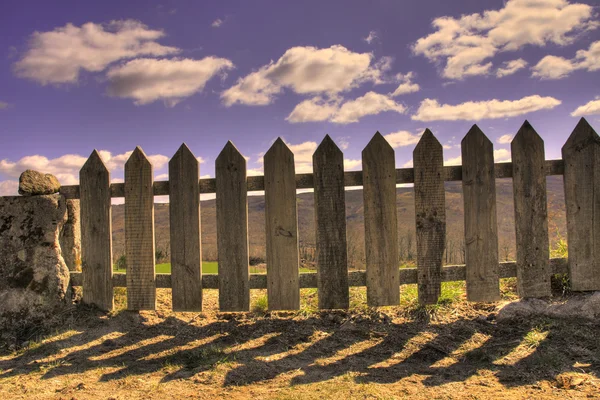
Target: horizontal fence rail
[308,280]
[452,173]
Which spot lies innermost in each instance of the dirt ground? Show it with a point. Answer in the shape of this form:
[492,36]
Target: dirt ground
[450,351]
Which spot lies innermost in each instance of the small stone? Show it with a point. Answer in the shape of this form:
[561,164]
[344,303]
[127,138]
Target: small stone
[36,183]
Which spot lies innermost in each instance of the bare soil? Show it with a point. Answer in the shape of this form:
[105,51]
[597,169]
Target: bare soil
[442,352]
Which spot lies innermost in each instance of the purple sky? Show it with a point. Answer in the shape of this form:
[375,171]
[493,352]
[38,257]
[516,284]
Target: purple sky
[112,75]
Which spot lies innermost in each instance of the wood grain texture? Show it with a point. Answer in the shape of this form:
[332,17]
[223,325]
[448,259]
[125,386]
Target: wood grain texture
[281,223]
[430,214]
[96,233]
[531,213]
[184,218]
[381,223]
[232,230]
[330,224]
[581,154]
[481,228]
[139,232]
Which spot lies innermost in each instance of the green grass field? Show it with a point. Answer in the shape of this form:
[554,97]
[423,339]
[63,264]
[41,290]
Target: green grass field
[208,267]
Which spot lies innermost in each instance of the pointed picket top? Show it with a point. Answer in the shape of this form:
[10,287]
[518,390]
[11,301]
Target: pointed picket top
[581,137]
[378,146]
[278,149]
[183,151]
[230,153]
[476,135]
[427,139]
[138,156]
[95,163]
[526,136]
[327,146]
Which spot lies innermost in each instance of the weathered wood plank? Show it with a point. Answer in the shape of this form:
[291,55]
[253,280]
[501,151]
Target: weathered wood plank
[330,223]
[381,223]
[96,233]
[481,228]
[531,214]
[139,232]
[184,217]
[281,225]
[408,276]
[430,214]
[581,154]
[232,230]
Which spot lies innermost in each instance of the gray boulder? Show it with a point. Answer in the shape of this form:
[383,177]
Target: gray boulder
[36,183]
[34,279]
[579,306]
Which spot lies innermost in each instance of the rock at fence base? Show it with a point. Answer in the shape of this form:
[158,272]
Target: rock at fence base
[36,183]
[583,306]
[34,279]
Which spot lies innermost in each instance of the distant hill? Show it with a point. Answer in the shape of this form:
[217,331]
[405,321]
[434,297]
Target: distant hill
[354,217]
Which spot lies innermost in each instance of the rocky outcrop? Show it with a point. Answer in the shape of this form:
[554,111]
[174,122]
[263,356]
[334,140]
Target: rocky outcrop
[70,237]
[36,183]
[34,279]
[585,306]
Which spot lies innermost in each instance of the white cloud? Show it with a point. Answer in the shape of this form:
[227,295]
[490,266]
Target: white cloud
[58,56]
[372,36]
[66,168]
[591,108]
[146,80]
[217,23]
[432,110]
[307,70]
[553,67]
[406,84]
[402,138]
[319,109]
[370,104]
[350,165]
[510,67]
[343,142]
[505,139]
[447,146]
[314,110]
[161,177]
[9,188]
[465,45]
[453,161]
[408,164]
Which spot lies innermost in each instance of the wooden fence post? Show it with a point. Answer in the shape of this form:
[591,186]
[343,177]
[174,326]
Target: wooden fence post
[381,223]
[481,227]
[581,154]
[232,230]
[96,233]
[531,214]
[330,222]
[184,215]
[139,232]
[283,290]
[430,212]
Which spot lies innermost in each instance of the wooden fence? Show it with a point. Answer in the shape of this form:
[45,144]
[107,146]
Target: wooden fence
[533,268]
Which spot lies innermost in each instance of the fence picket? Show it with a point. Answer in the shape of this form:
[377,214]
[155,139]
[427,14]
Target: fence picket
[481,228]
[330,221]
[139,232]
[581,154]
[430,213]
[381,223]
[531,214]
[232,230]
[184,222]
[281,224]
[96,233]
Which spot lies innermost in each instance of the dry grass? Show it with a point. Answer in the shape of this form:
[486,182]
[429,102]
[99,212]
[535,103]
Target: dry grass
[453,349]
